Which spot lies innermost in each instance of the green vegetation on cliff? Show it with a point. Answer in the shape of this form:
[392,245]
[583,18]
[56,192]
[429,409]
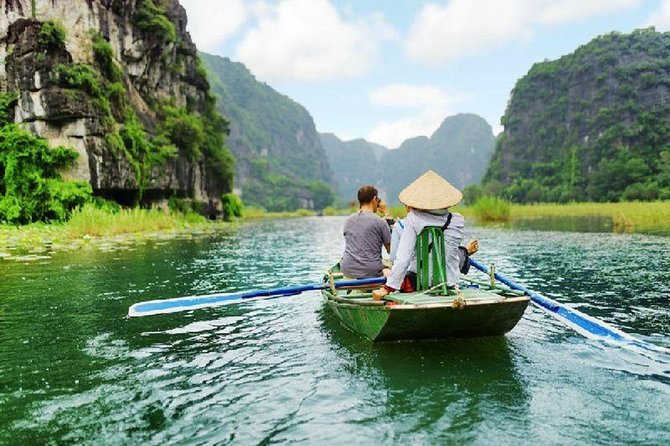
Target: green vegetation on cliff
[30,187]
[150,17]
[593,125]
[196,135]
[280,164]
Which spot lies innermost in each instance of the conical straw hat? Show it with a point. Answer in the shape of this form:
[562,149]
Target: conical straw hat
[430,192]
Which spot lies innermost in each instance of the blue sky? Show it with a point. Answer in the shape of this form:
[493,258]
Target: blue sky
[388,70]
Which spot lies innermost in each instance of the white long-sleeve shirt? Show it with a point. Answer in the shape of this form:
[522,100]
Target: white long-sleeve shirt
[405,257]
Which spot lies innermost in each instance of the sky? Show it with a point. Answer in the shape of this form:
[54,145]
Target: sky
[389,70]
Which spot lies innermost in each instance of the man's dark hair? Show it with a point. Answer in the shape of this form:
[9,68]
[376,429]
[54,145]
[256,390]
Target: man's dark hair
[366,194]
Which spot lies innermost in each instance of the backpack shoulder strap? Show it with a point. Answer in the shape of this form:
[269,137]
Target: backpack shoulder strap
[446,225]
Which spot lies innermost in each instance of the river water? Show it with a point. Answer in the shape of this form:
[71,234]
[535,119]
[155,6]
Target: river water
[75,370]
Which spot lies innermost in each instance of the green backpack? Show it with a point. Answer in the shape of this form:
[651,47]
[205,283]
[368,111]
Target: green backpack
[430,252]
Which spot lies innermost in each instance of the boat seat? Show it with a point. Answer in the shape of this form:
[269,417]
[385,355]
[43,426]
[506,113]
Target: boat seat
[430,261]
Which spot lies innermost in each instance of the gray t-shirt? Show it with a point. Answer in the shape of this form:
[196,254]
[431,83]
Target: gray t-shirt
[364,234]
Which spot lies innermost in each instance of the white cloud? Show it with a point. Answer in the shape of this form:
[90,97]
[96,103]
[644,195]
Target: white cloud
[433,103]
[660,18]
[406,95]
[441,33]
[309,40]
[568,11]
[392,134]
[212,22]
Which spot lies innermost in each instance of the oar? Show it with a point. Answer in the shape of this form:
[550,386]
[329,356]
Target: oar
[174,305]
[582,323]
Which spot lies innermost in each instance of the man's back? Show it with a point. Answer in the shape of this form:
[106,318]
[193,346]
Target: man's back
[364,233]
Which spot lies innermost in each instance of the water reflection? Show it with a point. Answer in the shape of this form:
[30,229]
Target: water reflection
[460,384]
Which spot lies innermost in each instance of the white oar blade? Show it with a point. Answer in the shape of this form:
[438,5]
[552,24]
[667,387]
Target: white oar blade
[164,306]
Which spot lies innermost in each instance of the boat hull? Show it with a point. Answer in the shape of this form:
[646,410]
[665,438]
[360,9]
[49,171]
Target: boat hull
[484,314]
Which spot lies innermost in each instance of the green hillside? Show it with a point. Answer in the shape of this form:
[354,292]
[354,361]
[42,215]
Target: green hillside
[459,150]
[280,163]
[593,125]
[354,163]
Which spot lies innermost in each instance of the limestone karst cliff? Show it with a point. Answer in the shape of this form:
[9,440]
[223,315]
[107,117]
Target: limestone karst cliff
[119,81]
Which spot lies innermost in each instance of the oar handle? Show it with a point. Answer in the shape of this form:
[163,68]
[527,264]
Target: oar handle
[357,282]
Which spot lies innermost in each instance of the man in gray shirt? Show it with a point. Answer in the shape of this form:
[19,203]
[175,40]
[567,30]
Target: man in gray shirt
[364,234]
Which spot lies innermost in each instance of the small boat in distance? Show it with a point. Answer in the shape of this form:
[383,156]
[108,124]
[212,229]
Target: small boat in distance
[475,308]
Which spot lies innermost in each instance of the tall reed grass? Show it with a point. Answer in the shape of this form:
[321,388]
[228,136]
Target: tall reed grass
[98,222]
[491,209]
[91,221]
[646,217]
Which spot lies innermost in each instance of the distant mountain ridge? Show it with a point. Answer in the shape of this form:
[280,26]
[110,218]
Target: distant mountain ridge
[459,150]
[354,163]
[280,162]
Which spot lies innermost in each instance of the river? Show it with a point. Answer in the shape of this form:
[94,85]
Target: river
[75,370]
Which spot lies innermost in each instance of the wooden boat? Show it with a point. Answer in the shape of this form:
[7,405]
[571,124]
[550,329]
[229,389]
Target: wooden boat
[474,309]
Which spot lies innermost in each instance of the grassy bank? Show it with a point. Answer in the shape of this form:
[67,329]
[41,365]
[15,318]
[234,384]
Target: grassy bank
[251,213]
[108,230]
[90,226]
[630,217]
[642,217]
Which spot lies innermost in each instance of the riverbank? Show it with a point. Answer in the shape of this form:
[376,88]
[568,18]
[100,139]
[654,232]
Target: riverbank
[108,230]
[93,227]
[626,217]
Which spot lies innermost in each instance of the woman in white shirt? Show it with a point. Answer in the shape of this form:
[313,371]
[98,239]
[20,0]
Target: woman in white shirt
[428,199]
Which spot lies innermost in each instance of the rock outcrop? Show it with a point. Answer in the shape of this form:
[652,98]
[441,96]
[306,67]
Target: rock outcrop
[117,58]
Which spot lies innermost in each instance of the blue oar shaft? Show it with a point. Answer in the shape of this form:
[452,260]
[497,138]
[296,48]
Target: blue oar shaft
[583,323]
[174,305]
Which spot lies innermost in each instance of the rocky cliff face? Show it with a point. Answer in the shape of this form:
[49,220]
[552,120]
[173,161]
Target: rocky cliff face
[355,163]
[116,60]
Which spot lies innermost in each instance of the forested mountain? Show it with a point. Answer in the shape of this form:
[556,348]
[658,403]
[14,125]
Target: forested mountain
[459,150]
[354,163]
[280,163]
[592,125]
